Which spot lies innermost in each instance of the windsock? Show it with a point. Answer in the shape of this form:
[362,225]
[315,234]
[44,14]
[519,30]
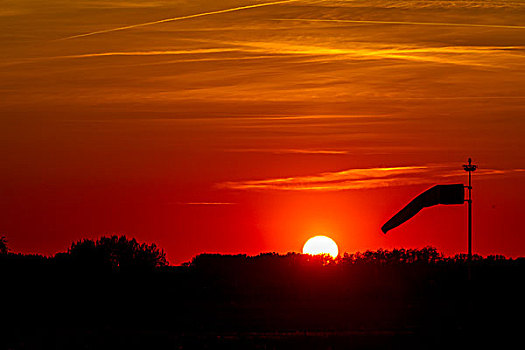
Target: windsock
[439,194]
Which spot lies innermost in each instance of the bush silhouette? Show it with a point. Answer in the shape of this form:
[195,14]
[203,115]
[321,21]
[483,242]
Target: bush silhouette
[3,245]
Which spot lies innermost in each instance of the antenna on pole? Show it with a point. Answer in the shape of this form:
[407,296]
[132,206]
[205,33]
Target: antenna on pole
[469,168]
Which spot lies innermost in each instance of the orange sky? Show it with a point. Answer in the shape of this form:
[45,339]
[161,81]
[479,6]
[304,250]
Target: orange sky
[249,126]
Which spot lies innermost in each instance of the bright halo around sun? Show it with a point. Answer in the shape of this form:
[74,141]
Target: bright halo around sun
[321,245]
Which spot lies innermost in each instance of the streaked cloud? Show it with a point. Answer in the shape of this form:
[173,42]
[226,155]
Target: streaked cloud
[424,4]
[208,203]
[457,55]
[439,24]
[482,56]
[367,178]
[339,180]
[291,151]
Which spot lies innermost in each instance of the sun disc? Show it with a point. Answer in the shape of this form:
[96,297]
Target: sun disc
[321,245]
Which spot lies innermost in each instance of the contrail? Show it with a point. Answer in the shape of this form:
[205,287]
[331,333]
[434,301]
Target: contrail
[173,19]
[401,22]
[124,53]
[146,53]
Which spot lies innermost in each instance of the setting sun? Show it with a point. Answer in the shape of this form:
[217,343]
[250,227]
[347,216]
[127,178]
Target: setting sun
[321,245]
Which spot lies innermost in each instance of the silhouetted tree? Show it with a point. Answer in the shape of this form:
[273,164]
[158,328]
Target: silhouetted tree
[3,245]
[117,253]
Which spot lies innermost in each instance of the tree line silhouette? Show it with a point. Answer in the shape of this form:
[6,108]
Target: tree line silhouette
[116,291]
[119,253]
[114,253]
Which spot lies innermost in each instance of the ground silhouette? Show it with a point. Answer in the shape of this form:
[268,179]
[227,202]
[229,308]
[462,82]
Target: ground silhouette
[117,293]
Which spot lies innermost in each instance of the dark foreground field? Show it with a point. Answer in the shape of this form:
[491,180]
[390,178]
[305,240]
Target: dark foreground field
[383,300]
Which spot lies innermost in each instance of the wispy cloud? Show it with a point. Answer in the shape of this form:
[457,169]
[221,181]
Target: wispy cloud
[367,178]
[207,203]
[422,4]
[482,56]
[473,55]
[291,151]
[440,24]
[339,180]
[457,55]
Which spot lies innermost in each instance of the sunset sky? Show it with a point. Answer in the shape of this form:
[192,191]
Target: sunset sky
[249,126]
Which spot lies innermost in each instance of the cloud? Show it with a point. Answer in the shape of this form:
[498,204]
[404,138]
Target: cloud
[207,203]
[339,180]
[457,55]
[329,50]
[446,24]
[421,4]
[366,178]
[482,56]
[292,151]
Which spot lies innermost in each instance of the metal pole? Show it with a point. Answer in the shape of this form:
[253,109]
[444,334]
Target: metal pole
[470,168]
[469,215]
